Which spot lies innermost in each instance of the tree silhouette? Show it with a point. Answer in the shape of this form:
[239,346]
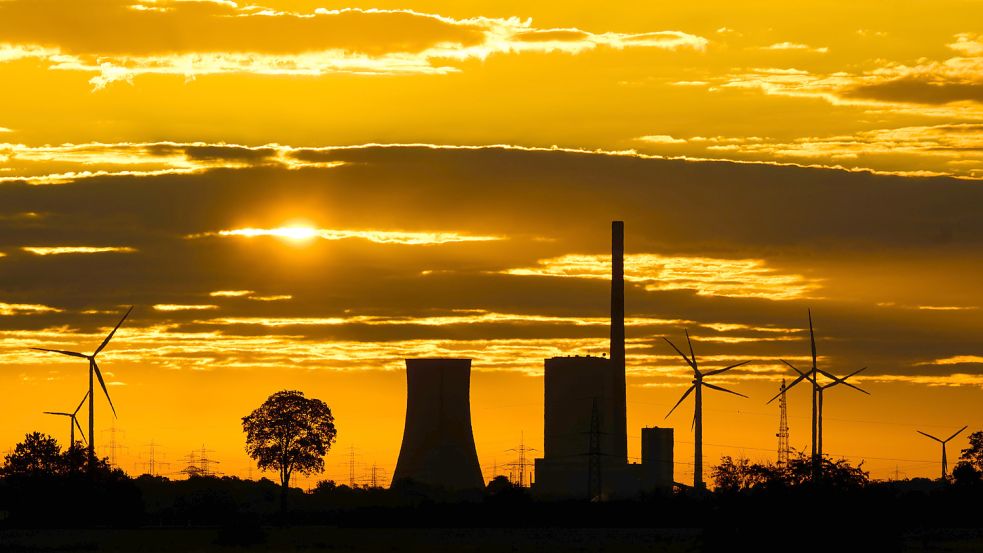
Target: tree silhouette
[734,475]
[37,454]
[289,433]
[40,455]
[974,453]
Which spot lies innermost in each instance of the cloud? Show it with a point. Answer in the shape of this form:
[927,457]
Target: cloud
[231,293]
[8,309]
[749,278]
[709,244]
[961,143]
[958,360]
[275,297]
[301,234]
[67,162]
[249,295]
[795,46]
[661,139]
[63,250]
[183,307]
[117,42]
[940,88]
[968,44]
[920,89]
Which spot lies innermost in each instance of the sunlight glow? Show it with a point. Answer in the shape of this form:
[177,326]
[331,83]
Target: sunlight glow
[61,250]
[177,307]
[303,234]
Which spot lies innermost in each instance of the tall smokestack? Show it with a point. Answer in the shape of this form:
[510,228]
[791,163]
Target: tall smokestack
[620,441]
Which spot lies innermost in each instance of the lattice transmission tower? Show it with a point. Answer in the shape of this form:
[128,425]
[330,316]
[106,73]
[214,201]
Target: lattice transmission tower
[522,462]
[783,449]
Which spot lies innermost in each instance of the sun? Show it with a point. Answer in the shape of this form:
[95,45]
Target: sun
[296,233]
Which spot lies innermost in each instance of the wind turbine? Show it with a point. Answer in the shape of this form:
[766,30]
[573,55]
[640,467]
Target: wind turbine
[945,464]
[93,370]
[820,388]
[73,422]
[812,375]
[697,386]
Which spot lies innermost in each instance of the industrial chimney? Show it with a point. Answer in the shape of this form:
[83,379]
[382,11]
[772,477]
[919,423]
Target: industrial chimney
[438,444]
[618,390]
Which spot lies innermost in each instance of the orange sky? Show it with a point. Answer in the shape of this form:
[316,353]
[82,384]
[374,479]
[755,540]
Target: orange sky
[218,166]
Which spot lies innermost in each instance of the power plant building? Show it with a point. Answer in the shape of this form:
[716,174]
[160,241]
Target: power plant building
[438,445]
[585,450]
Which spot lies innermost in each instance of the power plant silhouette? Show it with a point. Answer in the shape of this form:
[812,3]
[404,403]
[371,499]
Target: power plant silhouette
[585,453]
[438,444]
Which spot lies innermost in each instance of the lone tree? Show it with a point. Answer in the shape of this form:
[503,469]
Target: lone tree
[974,453]
[288,433]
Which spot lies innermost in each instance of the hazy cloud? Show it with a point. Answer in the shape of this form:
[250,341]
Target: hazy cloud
[118,40]
[711,245]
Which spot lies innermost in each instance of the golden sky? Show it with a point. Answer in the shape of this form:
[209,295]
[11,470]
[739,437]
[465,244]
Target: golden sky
[299,194]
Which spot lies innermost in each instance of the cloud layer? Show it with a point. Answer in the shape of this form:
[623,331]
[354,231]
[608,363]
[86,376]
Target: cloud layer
[729,250]
[118,40]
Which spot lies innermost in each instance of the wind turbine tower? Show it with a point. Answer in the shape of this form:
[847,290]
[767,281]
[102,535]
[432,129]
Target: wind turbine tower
[93,372]
[945,464]
[697,386]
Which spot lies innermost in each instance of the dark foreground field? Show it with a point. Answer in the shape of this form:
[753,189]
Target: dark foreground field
[439,540]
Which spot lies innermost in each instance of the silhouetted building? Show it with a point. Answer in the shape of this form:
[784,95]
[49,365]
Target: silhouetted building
[438,444]
[657,458]
[573,386]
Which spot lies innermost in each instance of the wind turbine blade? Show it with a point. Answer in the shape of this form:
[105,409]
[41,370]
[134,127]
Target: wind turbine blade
[103,384]
[850,385]
[929,435]
[81,432]
[692,355]
[719,389]
[63,352]
[718,371]
[812,340]
[692,424]
[794,368]
[81,403]
[827,375]
[690,363]
[108,338]
[688,392]
[957,433]
[854,373]
[57,413]
[800,378]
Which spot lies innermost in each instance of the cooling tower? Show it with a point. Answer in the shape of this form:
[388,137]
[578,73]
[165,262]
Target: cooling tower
[438,445]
